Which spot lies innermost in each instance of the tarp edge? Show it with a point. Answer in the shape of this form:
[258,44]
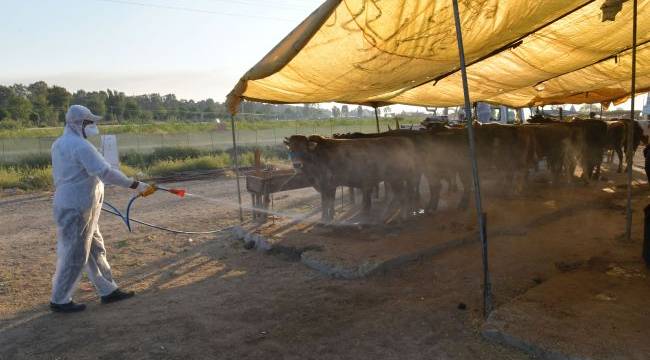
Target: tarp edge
[277,58]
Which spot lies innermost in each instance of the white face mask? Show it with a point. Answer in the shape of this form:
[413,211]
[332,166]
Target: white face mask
[91,130]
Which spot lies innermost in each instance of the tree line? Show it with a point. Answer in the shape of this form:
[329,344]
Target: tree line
[40,105]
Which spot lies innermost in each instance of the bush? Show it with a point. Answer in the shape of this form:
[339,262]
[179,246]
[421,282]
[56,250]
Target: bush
[26,179]
[173,153]
[36,179]
[8,124]
[9,178]
[163,154]
[132,172]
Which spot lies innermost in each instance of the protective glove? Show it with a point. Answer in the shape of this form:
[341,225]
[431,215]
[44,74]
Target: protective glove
[145,189]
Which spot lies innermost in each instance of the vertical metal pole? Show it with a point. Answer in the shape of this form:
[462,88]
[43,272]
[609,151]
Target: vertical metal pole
[630,132]
[236,158]
[601,111]
[377,119]
[487,287]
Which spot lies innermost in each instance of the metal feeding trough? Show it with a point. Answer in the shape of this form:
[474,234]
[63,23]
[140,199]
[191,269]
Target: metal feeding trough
[261,183]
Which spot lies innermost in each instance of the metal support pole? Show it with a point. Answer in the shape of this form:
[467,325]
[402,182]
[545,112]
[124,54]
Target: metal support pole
[601,111]
[630,131]
[236,158]
[377,119]
[487,287]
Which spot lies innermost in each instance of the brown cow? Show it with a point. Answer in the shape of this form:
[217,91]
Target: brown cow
[590,138]
[359,163]
[508,150]
[553,144]
[441,154]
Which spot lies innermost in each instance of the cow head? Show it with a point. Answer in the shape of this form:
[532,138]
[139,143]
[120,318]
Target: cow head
[300,150]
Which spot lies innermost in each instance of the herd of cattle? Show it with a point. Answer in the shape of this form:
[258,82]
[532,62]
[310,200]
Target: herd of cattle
[400,158]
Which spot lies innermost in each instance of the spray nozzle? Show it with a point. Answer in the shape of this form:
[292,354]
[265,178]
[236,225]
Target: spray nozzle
[177,192]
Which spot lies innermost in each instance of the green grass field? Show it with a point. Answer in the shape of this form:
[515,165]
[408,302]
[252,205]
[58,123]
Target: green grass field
[16,144]
[178,127]
[165,148]
[35,172]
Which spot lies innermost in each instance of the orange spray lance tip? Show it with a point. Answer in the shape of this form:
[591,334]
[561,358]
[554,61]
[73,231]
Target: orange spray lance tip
[178,192]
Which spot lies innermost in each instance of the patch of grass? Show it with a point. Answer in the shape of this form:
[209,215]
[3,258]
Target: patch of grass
[163,154]
[34,172]
[31,161]
[26,179]
[132,171]
[9,178]
[207,162]
[14,131]
[37,179]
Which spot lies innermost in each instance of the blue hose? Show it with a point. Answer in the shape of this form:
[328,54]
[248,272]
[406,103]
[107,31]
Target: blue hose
[127,220]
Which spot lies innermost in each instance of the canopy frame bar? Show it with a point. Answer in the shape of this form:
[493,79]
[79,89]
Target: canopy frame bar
[487,287]
[630,130]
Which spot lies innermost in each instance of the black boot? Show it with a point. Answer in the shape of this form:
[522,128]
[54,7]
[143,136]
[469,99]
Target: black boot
[117,295]
[67,308]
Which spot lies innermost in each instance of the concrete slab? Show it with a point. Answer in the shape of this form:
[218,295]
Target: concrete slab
[600,310]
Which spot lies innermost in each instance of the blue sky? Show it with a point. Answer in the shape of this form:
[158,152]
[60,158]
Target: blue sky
[193,48]
[196,53]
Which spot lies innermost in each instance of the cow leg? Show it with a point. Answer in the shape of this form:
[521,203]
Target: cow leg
[434,191]
[401,196]
[466,181]
[619,154]
[324,205]
[327,203]
[453,183]
[416,197]
[367,201]
[598,158]
[352,199]
[331,203]
[375,191]
[389,194]
[627,157]
[412,193]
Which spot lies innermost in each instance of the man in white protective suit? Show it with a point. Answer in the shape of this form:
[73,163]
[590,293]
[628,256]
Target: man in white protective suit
[80,173]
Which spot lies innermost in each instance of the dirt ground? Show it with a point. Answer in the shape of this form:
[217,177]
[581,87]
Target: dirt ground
[206,297]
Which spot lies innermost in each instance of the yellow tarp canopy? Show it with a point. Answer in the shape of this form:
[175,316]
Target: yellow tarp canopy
[519,53]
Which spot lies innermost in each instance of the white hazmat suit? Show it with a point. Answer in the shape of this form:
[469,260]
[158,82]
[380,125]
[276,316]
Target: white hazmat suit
[80,172]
